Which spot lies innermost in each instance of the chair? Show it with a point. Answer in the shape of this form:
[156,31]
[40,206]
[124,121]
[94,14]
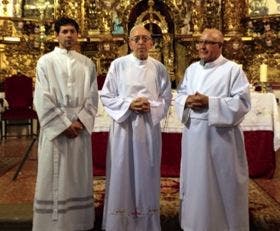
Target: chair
[19,95]
[1,108]
[100,81]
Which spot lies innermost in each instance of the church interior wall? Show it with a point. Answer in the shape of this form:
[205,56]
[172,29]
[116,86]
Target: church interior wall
[251,29]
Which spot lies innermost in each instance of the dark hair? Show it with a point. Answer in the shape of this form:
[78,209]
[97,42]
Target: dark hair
[65,21]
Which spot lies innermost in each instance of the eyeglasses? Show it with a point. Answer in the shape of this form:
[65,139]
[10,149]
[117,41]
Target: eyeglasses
[145,38]
[208,42]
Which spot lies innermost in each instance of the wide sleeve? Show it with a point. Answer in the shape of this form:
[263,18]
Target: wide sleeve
[90,106]
[180,100]
[53,120]
[230,111]
[159,107]
[116,106]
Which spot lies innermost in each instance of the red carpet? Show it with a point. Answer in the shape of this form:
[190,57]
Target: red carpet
[7,163]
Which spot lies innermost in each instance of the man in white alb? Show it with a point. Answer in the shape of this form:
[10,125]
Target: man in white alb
[66,99]
[212,100]
[136,94]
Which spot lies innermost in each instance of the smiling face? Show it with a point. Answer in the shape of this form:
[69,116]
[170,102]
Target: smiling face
[67,37]
[210,45]
[140,42]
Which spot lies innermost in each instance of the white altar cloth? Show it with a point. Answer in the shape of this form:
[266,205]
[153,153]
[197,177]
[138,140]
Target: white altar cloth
[262,117]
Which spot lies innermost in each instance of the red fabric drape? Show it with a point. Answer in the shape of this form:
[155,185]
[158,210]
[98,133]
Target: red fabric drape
[258,144]
[260,153]
[99,147]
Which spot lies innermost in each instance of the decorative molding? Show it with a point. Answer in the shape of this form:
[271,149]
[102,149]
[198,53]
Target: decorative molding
[249,40]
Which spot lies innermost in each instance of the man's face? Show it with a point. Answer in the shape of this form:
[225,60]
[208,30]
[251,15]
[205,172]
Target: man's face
[67,37]
[140,42]
[209,47]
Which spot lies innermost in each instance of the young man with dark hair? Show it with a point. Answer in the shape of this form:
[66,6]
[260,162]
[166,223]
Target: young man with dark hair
[66,100]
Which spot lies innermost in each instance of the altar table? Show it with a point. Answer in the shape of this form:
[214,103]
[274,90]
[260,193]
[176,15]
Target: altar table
[261,127]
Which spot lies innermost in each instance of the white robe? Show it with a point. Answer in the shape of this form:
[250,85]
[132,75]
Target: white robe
[134,150]
[65,89]
[214,172]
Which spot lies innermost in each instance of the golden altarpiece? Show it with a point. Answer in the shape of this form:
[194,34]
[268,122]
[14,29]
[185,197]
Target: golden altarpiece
[251,29]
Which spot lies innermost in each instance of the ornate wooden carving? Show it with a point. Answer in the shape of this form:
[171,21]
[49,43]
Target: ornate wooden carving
[177,24]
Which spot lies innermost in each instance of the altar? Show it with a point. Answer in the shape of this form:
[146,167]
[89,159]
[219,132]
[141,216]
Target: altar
[261,127]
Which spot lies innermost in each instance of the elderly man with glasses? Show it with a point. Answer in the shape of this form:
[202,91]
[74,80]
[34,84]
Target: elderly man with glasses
[136,94]
[212,100]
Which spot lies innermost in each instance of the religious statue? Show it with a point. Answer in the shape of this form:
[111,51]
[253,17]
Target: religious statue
[185,29]
[250,28]
[235,49]
[185,15]
[269,35]
[117,24]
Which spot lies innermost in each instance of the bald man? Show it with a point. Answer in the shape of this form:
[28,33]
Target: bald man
[136,95]
[212,100]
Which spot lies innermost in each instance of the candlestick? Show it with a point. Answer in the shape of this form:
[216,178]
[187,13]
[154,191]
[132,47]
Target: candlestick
[263,72]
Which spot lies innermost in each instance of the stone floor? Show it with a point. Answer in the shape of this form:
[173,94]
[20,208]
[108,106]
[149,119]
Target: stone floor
[16,196]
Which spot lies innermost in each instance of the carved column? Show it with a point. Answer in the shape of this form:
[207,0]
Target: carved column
[93,16]
[5,7]
[3,65]
[233,12]
[212,12]
[72,9]
[168,54]
[197,16]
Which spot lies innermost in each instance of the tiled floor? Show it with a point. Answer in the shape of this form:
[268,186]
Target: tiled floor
[20,190]
[16,196]
[272,186]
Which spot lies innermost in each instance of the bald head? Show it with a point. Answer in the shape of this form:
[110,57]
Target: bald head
[210,45]
[137,28]
[140,41]
[215,34]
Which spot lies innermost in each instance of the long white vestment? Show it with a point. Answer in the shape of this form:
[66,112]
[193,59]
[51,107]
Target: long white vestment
[65,89]
[134,150]
[214,172]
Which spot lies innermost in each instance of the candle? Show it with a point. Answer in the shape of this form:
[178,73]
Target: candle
[11,39]
[263,73]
